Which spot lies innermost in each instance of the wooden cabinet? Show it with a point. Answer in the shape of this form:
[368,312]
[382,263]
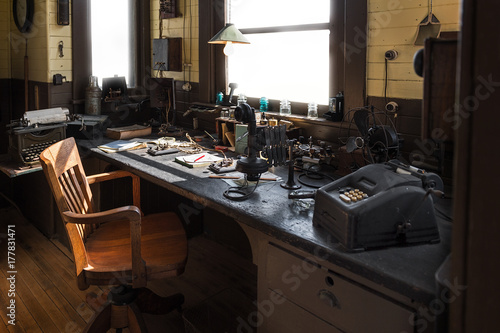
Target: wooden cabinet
[298,292]
[329,299]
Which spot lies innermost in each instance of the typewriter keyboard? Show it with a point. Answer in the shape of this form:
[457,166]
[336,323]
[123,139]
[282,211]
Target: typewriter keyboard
[31,154]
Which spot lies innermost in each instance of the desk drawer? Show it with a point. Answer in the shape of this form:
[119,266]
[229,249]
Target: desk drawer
[290,318]
[338,301]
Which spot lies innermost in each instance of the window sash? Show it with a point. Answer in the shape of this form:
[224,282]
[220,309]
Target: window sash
[347,76]
[286,28]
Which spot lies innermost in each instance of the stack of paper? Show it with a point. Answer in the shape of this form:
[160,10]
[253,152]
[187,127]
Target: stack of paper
[198,160]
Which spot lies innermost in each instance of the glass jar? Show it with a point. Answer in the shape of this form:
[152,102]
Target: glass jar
[241,99]
[264,104]
[312,111]
[285,107]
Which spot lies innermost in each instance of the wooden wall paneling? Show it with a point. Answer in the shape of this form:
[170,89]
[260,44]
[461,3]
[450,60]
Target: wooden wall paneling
[38,95]
[184,99]
[17,98]
[393,25]
[440,62]
[399,89]
[408,114]
[5,113]
[61,95]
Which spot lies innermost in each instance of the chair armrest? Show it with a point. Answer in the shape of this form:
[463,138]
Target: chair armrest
[129,213]
[136,182]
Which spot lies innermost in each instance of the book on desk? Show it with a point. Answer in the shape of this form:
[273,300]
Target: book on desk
[128,132]
[198,160]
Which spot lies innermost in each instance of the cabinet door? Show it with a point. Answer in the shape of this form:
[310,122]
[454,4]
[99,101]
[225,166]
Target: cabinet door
[290,318]
[341,302]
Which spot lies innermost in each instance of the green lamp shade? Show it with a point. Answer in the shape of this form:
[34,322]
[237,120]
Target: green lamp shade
[229,34]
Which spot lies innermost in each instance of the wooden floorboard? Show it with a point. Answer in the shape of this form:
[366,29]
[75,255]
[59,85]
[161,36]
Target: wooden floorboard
[48,300]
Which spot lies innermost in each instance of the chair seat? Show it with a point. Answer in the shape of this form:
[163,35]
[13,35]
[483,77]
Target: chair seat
[163,247]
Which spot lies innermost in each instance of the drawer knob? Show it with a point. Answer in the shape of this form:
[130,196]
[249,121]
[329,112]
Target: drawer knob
[328,298]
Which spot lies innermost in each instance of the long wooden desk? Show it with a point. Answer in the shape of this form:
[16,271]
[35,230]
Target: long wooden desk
[387,287]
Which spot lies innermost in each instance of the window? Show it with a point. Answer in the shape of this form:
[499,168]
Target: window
[288,57]
[113,47]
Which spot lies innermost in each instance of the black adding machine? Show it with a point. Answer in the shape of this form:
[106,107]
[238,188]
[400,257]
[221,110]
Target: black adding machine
[380,205]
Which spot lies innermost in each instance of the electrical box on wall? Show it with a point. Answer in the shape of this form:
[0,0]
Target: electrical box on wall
[168,9]
[167,54]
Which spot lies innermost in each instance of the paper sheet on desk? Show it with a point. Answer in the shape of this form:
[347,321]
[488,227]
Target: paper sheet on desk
[242,181]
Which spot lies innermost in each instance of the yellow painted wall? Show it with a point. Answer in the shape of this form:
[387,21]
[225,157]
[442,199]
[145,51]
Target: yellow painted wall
[43,40]
[37,46]
[186,27]
[57,33]
[392,24]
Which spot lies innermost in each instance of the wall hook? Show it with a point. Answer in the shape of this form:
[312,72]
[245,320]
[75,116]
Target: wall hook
[60,47]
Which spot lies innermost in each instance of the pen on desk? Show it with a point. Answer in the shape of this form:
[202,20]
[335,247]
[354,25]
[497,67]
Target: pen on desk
[210,136]
[199,158]
[235,177]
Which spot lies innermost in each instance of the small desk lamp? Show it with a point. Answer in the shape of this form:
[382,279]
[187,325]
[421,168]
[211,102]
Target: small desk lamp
[229,35]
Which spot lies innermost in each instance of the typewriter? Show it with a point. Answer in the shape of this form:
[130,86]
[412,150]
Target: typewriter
[37,130]
[380,205]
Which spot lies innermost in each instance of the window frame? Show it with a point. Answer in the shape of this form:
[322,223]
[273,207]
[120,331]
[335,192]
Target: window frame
[82,52]
[348,76]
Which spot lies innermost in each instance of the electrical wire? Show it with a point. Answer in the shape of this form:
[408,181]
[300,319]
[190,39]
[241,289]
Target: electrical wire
[239,190]
[385,83]
[308,172]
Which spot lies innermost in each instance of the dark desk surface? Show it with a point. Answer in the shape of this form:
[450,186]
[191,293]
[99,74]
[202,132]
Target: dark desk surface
[15,169]
[406,270]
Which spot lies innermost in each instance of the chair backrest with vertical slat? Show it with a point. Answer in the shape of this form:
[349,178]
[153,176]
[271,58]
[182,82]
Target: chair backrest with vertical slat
[64,171]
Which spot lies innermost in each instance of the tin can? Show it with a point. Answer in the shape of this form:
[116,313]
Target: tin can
[93,95]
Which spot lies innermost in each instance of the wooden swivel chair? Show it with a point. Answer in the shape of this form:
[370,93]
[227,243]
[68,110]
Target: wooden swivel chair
[117,247]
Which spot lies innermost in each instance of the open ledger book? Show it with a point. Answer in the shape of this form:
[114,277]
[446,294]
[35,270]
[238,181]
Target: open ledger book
[122,145]
[198,160]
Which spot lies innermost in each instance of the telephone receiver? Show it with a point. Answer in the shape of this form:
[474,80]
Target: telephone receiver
[228,98]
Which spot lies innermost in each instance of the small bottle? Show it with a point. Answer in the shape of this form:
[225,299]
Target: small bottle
[263,119]
[285,107]
[312,111]
[219,99]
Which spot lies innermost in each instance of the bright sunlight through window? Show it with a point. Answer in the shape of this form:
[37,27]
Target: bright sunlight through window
[279,63]
[111,49]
